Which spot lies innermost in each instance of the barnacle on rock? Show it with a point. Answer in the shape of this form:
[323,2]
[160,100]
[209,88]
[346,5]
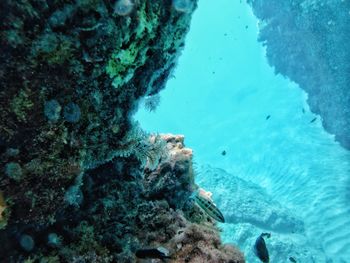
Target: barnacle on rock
[14,171]
[123,7]
[52,110]
[71,112]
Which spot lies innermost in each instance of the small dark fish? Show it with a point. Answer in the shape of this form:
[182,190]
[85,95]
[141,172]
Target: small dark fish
[291,259]
[268,117]
[313,120]
[268,235]
[246,27]
[160,253]
[223,153]
[260,248]
[303,110]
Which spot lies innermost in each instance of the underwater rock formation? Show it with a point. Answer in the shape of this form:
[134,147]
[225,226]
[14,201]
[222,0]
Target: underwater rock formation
[245,202]
[71,75]
[249,211]
[306,42]
[124,209]
[80,181]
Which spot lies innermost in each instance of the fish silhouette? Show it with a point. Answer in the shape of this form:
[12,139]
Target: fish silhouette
[313,120]
[159,253]
[260,248]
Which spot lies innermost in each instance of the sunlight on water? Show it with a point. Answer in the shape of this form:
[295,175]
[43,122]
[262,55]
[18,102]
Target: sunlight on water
[225,97]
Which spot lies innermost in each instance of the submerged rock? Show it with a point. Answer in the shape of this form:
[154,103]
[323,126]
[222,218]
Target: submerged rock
[308,42]
[244,202]
[54,58]
[95,187]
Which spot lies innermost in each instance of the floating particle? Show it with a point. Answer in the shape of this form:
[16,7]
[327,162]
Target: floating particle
[313,120]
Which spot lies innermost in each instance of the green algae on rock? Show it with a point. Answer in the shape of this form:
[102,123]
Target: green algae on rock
[69,52]
[71,75]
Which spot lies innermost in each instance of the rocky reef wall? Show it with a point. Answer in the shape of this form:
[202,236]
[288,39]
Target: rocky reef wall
[308,42]
[80,181]
[72,73]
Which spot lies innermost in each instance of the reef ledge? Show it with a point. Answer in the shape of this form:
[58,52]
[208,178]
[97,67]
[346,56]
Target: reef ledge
[79,180]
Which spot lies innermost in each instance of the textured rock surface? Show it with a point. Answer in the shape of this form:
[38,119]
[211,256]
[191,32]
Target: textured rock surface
[308,42]
[80,181]
[71,74]
[245,202]
[125,208]
[281,246]
[249,211]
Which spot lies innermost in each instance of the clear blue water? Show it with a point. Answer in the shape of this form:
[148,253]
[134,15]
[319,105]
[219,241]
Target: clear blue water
[222,91]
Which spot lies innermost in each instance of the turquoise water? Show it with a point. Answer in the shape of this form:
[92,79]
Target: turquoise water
[287,170]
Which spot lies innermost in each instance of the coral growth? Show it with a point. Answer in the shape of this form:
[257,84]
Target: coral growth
[196,243]
[52,110]
[80,181]
[151,102]
[71,75]
[127,207]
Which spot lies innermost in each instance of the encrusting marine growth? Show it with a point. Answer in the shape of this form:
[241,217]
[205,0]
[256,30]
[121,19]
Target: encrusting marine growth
[80,181]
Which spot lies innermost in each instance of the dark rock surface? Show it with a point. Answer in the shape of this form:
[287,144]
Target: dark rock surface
[79,180]
[71,75]
[308,41]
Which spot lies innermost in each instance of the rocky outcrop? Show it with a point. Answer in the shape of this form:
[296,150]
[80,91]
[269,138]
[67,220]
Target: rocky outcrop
[250,210]
[245,202]
[80,181]
[308,42]
[120,208]
[71,75]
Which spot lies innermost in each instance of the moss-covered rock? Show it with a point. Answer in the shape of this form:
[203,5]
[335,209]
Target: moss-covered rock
[71,75]
[76,54]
